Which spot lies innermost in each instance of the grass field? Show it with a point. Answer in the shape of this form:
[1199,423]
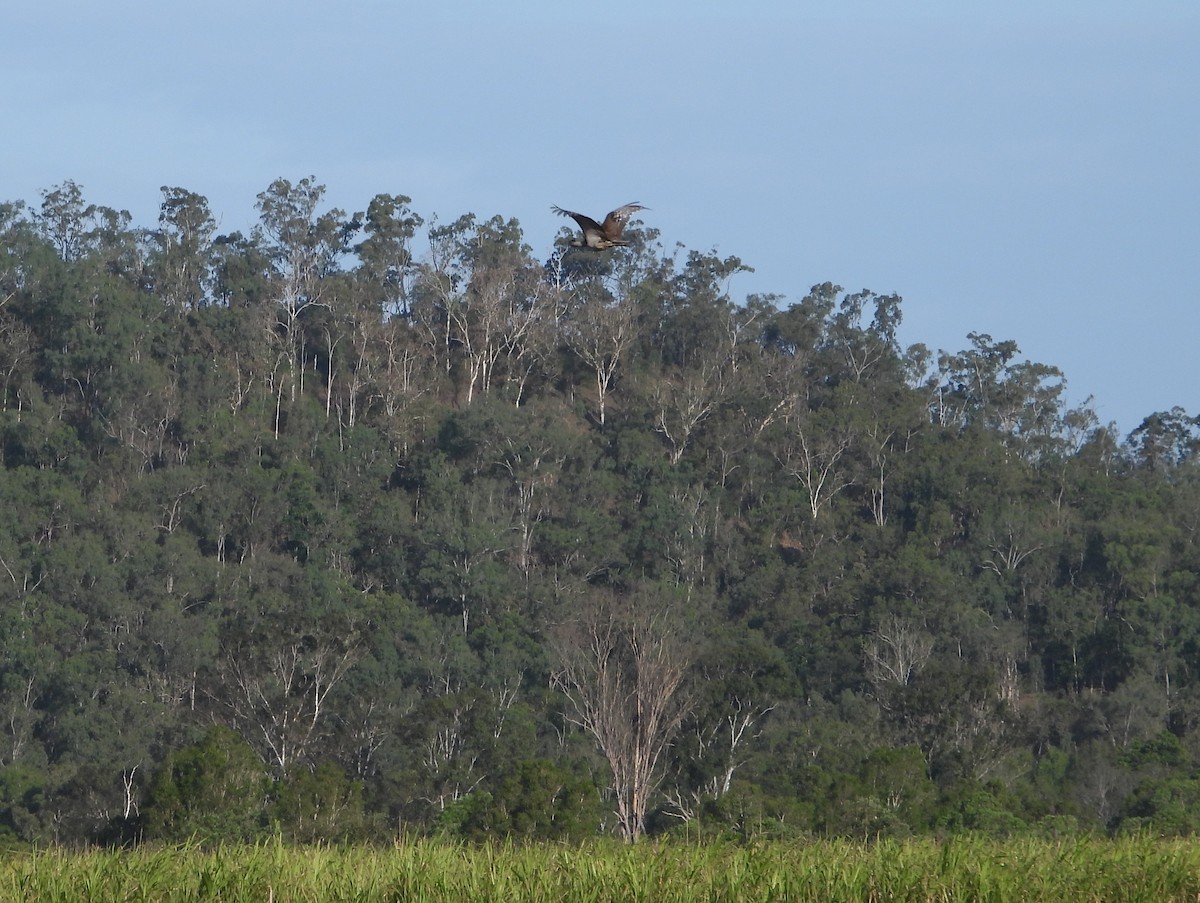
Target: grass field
[968,869]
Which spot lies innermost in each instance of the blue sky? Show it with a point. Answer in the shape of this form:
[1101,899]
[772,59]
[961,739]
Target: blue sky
[1025,170]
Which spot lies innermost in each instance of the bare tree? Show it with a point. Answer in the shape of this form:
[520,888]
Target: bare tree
[531,467]
[897,650]
[815,452]
[684,403]
[727,736]
[622,670]
[280,699]
[600,332]
[1011,540]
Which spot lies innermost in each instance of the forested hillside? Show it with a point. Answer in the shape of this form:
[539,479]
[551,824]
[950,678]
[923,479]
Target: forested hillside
[309,530]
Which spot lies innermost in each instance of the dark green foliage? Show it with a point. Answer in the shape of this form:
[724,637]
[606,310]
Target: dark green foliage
[535,800]
[1165,806]
[318,805]
[23,798]
[333,486]
[980,808]
[215,790]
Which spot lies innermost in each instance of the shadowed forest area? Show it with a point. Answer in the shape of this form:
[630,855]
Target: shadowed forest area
[309,531]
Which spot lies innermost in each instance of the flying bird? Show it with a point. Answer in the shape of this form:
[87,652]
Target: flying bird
[600,236]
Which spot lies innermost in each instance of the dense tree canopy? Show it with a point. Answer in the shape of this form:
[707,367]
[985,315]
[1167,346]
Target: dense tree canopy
[330,501]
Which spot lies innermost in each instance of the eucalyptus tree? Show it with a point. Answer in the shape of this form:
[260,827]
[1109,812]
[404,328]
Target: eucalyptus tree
[183,264]
[1166,439]
[372,353]
[483,305]
[66,221]
[385,255]
[304,248]
[697,346]
[985,386]
[20,248]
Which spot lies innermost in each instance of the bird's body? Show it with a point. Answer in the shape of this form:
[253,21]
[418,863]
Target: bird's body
[600,236]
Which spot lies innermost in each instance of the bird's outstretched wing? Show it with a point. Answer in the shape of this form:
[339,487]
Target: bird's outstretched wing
[585,222]
[616,219]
